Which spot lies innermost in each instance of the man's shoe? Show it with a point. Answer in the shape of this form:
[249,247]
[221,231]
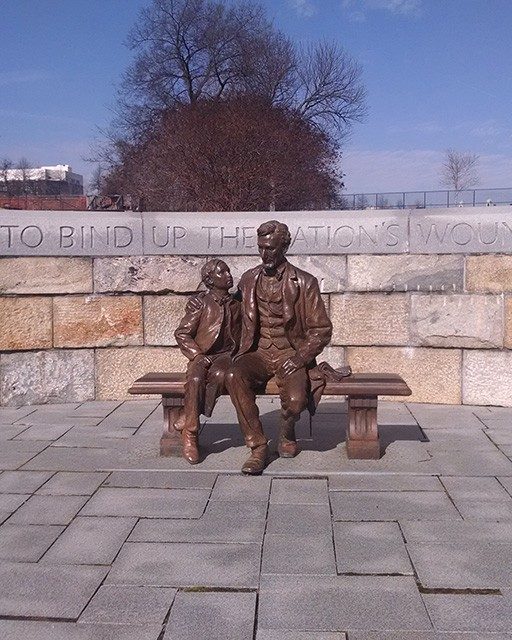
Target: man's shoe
[255,463]
[190,446]
[288,448]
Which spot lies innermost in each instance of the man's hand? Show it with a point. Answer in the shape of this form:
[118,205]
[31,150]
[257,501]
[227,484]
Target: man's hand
[290,366]
[203,359]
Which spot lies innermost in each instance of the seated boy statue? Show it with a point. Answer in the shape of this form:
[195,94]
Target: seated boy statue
[208,335]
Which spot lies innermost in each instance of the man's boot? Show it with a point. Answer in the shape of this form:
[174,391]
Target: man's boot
[190,446]
[256,462]
[287,446]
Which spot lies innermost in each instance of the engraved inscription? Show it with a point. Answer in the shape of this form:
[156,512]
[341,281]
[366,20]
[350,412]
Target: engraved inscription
[89,237]
[492,234]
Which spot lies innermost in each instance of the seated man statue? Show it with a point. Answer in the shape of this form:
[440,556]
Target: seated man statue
[284,327]
[208,335]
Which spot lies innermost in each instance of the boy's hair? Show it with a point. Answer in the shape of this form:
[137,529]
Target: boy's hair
[207,271]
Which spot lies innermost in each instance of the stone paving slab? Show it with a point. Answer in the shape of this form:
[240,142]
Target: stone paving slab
[304,555]
[384,482]
[68,483]
[463,532]
[468,566]
[180,565]
[239,488]
[26,543]
[23,630]
[300,491]
[100,408]
[44,432]
[471,463]
[45,591]
[234,522]
[485,489]
[48,510]
[10,431]
[69,459]
[9,502]
[225,616]
[90,541]
[470,612]
[324,603]
[117,604]
[161,479]
[16,453]
[273,634]
[370,547]
[311,519]
[392,505]
[147,503]
[505,482]
[425,635]
[22,481]
[501,436]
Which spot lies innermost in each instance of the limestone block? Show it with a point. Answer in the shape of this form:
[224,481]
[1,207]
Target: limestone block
[26,323]
[47,376]
[487,377]
[508,323]
[472,321]
[434,375]
[369,319]
[489,274]
[153,274]
[162,315]
[97,321]
[335,356]
[116,369]
[45,275]
[405,273]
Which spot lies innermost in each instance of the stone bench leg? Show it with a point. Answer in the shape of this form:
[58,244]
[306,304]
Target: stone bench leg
[170,442]
[363,434]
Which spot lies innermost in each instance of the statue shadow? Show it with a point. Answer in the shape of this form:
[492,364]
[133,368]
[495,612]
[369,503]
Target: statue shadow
[325,432]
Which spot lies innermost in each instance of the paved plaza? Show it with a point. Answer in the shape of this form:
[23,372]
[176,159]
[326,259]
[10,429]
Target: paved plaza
[101,539]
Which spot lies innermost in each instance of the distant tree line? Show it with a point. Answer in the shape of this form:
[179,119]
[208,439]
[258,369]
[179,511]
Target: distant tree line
[22,184]
[221,111]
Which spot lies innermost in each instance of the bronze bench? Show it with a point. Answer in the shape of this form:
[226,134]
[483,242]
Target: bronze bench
[361,389]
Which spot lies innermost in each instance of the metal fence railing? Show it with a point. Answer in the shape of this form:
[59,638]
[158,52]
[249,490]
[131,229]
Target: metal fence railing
[427,199]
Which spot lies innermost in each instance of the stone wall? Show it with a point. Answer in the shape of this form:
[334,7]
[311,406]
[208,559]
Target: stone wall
[78,328]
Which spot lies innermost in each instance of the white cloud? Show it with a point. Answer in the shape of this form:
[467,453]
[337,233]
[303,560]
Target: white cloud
[305,8]
[413,170]
[359,8]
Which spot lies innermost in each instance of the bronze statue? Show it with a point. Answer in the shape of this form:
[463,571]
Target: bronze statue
[284,327]
[208,335]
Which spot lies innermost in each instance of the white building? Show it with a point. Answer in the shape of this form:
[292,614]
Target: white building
[45,181]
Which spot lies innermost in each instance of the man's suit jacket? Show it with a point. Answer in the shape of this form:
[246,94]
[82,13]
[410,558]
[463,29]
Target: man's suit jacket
[202,322]
[307,325]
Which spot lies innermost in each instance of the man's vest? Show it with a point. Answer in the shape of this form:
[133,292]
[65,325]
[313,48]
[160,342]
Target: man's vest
[269,296]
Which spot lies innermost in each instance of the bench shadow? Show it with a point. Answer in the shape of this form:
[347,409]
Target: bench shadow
[328,430]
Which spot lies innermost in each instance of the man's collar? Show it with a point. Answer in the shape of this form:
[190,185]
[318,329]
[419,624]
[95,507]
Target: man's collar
[279,271]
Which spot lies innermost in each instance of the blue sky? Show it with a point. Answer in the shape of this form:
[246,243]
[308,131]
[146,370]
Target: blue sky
[438,75]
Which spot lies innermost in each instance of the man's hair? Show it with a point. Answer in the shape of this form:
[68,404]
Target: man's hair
[274,227]
[207,271]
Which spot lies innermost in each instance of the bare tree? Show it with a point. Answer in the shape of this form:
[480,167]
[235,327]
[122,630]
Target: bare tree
[97,179]
[23,167]
[459,170]
[191,50]
[5,166]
